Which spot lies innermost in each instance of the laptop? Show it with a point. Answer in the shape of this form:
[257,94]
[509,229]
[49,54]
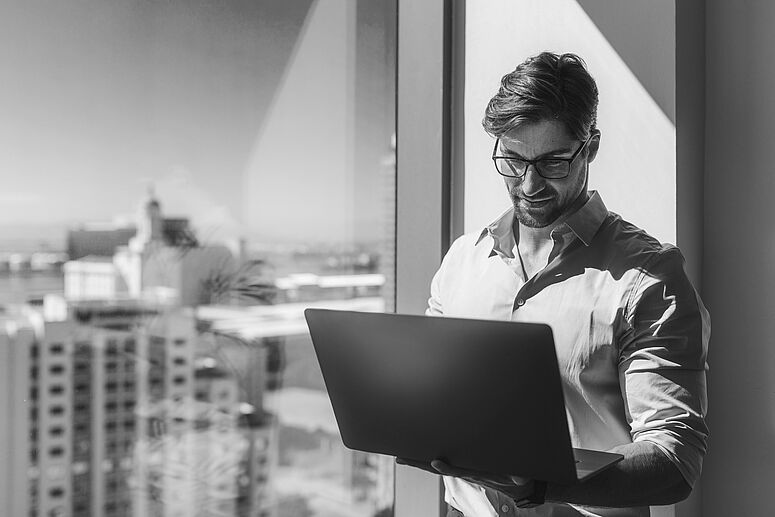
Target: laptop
[479,394]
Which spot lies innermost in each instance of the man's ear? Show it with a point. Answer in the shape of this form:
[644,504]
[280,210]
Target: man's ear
[593,146]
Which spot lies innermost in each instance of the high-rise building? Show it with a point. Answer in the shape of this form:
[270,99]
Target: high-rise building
[114,411]
[19,412]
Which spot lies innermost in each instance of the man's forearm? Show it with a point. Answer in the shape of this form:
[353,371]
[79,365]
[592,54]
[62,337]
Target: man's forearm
[644,477]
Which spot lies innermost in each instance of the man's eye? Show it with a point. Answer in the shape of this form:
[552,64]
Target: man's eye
[553,164]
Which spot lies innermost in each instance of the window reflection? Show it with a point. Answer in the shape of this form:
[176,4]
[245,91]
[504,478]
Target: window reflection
[159,364]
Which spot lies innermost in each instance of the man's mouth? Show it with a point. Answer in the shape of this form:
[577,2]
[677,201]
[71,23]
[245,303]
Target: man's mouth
[536,202]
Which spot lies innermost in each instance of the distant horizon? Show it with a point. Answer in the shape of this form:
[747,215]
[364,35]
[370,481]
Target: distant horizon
[31,237]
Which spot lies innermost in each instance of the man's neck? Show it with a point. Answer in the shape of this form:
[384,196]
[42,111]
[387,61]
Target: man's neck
[534,239]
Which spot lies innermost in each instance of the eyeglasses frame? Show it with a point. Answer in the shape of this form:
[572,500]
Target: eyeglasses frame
[534,163]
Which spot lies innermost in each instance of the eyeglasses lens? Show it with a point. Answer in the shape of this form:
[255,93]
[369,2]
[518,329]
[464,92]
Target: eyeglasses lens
[546,168]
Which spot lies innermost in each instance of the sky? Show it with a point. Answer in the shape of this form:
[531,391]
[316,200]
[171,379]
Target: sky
[102,99]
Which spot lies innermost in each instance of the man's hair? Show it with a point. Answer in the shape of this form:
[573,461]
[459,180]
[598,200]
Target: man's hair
[545,87]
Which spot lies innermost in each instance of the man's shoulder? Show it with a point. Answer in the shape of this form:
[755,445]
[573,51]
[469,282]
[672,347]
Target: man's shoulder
[472,243]
[470,240]
[627,241]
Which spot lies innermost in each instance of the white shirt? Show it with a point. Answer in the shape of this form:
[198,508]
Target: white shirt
[630,330]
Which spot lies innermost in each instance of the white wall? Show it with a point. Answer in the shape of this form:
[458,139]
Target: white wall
[635,169]
[739,253]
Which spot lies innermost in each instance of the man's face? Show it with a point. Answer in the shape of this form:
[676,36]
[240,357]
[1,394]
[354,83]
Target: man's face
[539,202]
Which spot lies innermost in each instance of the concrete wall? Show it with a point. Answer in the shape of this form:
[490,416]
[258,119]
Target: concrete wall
[739,253]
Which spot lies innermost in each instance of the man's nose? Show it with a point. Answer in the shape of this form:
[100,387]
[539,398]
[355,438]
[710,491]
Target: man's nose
[532,182]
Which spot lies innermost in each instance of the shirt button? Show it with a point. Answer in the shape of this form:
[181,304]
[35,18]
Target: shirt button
[520,302]
[505,508]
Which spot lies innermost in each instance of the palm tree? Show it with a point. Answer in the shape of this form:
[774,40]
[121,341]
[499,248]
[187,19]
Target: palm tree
[247,283]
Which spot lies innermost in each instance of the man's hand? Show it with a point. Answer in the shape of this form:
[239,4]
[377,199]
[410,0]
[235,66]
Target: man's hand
[513,486]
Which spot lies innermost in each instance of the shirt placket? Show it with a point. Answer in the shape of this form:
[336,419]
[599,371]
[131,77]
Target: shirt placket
[502,504]
[535,284]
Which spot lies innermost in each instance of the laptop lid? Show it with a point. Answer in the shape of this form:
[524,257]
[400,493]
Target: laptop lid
[480,394]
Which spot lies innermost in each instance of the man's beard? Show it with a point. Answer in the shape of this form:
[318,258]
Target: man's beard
[548,214]
[541,216]
[537,218]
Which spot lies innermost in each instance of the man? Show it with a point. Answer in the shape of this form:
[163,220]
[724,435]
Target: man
[630,331]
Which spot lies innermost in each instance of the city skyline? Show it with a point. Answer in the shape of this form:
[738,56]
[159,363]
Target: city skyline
[183,179]
[139,396]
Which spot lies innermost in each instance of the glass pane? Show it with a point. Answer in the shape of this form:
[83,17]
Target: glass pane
[182,180]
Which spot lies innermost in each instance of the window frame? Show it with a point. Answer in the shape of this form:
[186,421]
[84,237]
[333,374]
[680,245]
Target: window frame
[429,183]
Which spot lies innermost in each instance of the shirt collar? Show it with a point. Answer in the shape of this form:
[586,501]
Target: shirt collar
[584,223]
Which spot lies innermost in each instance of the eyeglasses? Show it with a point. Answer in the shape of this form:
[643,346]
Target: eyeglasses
[549,168]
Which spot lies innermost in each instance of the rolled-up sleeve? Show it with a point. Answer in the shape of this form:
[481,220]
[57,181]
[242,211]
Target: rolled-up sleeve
[663,363]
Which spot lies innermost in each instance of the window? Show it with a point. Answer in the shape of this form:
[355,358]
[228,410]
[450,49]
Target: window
[240,165]
[56,389]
